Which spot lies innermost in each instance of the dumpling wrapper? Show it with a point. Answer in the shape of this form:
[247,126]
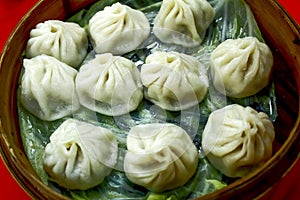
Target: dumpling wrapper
[118,29]
[48,88]
[237,140]
[241,67]
[80,155]
[66,41]
[160,156]
[109,85]
[183,22]
[174,81]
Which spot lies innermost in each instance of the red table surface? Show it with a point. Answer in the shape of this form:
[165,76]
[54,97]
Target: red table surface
[12,11]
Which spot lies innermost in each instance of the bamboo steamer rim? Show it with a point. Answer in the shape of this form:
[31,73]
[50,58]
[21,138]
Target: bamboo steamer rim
[12,151]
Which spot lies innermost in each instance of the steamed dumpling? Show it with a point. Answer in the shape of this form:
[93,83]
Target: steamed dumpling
[80,155]
[66,41]
[118,29]
[238,139]
[109,85]
[183,22]
[241,67]
[48,88]
[160,156]
[174,81]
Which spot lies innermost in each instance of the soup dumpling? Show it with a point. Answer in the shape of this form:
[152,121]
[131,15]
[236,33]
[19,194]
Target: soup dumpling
[109,85]
[48,88]
[241,67]
[160,156]
[174,81]
[183,22]
[118,29]
[237,140]
[66,41]
[80,155]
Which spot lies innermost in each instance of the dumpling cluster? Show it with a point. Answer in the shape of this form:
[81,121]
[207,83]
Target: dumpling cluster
[237,140]
[109,85]
[48,84]
[183,22]
[174,81]
[48,88]
[66,41]
[118,29]
[160,156]
[241,67]
[80,155]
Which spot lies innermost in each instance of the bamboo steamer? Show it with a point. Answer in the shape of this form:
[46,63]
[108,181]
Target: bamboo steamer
[282,34]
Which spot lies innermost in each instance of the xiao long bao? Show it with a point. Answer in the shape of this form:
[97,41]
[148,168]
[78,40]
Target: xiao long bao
[109,85]
[183,22]
[66,41]
[174,81]
[42,77]
[118,29]
[241,67]
[80,155]
[237,140]
[160,156]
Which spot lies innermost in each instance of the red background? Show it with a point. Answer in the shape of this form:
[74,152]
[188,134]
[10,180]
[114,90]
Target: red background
[13,10]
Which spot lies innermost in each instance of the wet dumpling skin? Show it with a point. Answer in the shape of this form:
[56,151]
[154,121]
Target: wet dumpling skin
[66,41]
[174,81]
[183,22]
[48,88]
[241,67]
[118,29]
[80,155]
[237,140]
[109,85]
[160,156]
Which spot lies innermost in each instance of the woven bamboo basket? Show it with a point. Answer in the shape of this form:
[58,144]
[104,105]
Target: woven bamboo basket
[282,34]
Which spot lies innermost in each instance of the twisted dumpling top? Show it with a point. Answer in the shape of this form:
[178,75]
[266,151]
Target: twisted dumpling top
[183,22]
[118,29]
[241,67]
[66,41]
[238,139]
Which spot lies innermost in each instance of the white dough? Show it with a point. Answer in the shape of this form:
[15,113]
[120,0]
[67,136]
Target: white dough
[183,22]
[241,67]
[48,88]
[118,29]
[66,41]
[160,156]
[80,155]
[174,81]
[109,85]
[237,140]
